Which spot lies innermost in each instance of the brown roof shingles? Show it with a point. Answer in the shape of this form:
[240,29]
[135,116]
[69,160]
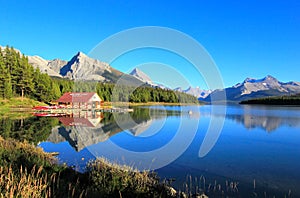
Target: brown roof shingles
[76,97]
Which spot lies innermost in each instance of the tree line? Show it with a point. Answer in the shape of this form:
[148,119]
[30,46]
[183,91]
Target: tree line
[142,94]
[128,93]
[20,79]
[277,100]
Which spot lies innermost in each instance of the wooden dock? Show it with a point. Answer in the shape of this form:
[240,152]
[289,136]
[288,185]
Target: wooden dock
[72,110]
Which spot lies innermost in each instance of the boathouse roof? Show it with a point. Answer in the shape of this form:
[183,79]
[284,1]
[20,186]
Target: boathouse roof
[79,97]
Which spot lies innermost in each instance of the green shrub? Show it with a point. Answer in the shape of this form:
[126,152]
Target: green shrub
[111,178]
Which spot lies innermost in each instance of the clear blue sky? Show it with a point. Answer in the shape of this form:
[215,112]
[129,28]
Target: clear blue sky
[250,38]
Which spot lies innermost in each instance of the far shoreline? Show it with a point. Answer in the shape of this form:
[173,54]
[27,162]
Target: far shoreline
[17,104]
[131,104]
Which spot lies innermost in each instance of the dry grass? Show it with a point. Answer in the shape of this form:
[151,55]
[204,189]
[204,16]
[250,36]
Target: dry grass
[27,171]
[110,178]
[32,184]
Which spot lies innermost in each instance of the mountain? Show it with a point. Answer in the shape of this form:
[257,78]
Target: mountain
[56,64]
[45,66]
[194,91]
[256,88]
[137,73]
[141,75]
[82,67]
[197,92]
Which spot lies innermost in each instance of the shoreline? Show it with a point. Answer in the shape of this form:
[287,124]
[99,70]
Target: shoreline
[18,102]
[130,104]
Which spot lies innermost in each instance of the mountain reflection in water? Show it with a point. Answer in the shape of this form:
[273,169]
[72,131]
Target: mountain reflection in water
[82,130]
[267,118]
[266,123]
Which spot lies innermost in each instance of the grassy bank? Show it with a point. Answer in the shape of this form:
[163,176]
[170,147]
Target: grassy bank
[20,102]
[27,171]
[13,106]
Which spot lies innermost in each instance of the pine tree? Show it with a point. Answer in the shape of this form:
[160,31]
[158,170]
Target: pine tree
[25,77]
[8,93]
[2,74]
[55,91]
[42,86]
[5,79]
[12,64]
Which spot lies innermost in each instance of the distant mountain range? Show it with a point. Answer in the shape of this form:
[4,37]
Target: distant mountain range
[146,79]
[195,91]
[255,88]
[85,68]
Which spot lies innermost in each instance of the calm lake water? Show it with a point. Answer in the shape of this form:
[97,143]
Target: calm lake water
[256,152]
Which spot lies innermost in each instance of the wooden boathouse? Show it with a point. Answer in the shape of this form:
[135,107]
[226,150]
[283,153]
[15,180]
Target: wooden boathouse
[80,100]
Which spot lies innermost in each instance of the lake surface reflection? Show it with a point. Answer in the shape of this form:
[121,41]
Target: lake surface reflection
[258,149]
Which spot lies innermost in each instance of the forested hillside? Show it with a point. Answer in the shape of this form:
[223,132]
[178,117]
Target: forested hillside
[20,79]
[281,100]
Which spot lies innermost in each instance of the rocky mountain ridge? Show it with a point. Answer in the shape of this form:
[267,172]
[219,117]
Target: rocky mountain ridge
[195,91]
[141,75]
[252,88]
